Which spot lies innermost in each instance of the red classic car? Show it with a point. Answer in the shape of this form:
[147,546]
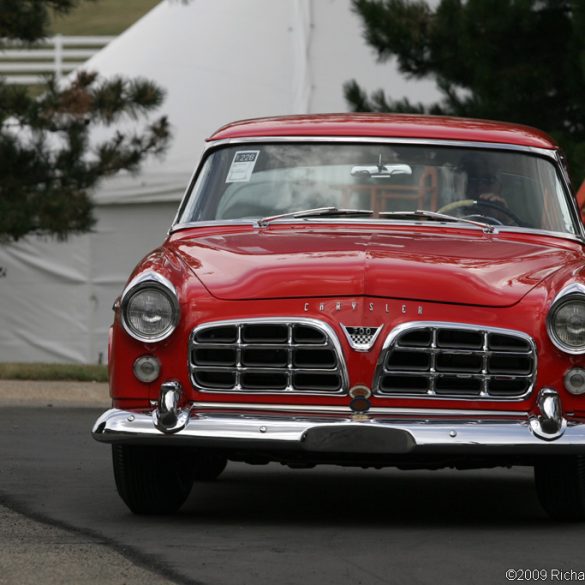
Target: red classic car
[369,290]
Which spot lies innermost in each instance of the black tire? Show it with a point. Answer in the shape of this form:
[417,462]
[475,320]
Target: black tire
[560,485]
[152,480]
[207,466]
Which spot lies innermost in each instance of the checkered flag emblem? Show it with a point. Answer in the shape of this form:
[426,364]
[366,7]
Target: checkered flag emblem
[362,338]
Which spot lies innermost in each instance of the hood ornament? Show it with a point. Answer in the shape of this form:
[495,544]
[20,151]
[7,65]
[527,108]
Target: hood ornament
[361,338]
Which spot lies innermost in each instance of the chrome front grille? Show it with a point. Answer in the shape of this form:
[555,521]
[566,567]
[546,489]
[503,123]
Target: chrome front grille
[456,361]
[267,355]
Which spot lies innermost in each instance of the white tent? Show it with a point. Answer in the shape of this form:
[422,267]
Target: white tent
[219,60]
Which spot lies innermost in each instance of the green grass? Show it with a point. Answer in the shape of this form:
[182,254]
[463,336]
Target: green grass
[102,17]
[53,372]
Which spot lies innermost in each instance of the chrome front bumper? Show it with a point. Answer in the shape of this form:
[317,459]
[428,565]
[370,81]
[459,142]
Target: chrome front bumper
[377,433]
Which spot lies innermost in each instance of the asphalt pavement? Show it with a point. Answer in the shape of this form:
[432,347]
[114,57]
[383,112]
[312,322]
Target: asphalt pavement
[272,525]
[33,552]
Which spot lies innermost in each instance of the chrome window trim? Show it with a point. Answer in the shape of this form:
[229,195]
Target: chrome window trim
[546,152]
[573,290]
[187,191]
[148,279]
[551,154]
[321,325]
[399,329]
[573,207]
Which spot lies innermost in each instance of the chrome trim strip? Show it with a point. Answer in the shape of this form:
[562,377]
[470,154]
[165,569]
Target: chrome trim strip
[538,232]
[411,325]
[345,410]
[149,276]
[573,290]
[572,197]
[375,223]
[252,431]
[143,280]
[570,289]
[190,183]
[547,153]
[325,328]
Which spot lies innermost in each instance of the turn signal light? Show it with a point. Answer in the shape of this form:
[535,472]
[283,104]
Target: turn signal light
[575,381]
[146,368]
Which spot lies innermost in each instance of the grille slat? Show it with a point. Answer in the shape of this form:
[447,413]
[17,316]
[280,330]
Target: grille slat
[266,356]
[456,361]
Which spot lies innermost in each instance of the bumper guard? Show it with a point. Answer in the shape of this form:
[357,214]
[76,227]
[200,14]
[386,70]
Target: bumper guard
[335,430]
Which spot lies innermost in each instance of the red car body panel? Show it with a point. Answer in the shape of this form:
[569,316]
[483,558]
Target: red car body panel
[464,267]
[384,126]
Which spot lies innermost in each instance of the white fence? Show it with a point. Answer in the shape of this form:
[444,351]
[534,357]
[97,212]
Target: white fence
[58,55]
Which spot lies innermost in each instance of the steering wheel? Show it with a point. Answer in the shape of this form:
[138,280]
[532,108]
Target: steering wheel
[469,203]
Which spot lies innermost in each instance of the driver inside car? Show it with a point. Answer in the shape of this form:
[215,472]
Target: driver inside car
[480,184]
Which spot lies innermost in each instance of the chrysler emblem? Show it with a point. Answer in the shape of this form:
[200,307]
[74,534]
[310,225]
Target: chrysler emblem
[361,338]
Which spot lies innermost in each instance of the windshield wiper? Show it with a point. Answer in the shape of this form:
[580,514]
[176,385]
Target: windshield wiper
[318,212]
[438,216]
[335,212]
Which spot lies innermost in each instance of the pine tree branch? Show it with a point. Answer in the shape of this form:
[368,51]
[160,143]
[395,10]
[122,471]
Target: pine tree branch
[512,60]
[49,164]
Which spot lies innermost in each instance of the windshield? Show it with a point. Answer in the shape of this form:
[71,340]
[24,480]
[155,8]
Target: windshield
[498,187]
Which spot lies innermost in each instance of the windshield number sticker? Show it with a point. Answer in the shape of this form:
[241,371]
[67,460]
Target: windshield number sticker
[242,166]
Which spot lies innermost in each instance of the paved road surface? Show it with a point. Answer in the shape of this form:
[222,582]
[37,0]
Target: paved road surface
[272,525]
[34,553]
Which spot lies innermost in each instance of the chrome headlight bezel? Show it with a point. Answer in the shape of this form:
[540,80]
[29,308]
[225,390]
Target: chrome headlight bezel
[153,281]
[571,294]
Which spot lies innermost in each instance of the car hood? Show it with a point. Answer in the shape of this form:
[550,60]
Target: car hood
[451,267]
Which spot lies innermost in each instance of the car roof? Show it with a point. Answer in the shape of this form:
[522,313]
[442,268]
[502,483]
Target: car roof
[387,126]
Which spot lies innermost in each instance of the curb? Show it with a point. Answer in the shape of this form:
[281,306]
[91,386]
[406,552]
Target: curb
[43,393]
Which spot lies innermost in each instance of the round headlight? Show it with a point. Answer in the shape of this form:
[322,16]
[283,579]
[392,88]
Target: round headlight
[150,313]
[566,324]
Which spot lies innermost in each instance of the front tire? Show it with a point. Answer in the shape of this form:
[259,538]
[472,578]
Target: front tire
[560,485]
[207,466]
[152,480]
